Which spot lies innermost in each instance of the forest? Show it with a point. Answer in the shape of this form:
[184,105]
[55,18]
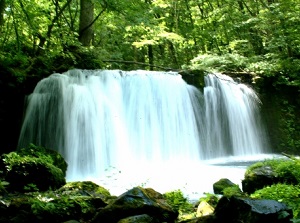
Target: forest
[260,36]
[256,37]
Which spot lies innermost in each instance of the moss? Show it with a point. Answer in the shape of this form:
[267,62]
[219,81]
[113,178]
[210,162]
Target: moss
[86,188]
[211,199]
[29,173]
[48,155]
[286,170]
[233,191]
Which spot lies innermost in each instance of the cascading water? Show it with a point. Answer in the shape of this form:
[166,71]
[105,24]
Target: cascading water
[140,121]
[233,124]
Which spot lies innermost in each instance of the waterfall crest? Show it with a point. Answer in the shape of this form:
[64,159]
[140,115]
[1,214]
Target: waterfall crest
[111,118]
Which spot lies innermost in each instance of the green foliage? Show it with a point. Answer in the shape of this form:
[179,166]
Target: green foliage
[31,187]
[232,191]
[48,155]
[29,172]
[211,199]
[55,207]
[289,126]
[212,62]
[3,185]
[288,194]
[39,37]
[178,201]
[286,170]
[76,200]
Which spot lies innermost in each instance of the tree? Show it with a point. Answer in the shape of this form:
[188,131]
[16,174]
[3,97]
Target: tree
[2,9]
[86,27]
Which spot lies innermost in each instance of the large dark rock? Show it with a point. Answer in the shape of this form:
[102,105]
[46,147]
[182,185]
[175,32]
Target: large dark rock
[258,178]
[247,210]
[137,201]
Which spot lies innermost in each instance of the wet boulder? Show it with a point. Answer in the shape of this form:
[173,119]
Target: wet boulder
[259,178]
[49,155]
[241,209]
[87,189]
[222,184]
[26,173]
[269,172]
[135,202]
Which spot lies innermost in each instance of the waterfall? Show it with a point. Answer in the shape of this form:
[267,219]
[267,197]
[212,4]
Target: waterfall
[110,118]
[233,123]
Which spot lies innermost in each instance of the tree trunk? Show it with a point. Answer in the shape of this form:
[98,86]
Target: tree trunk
[150,56]
[2,8]
[86,28]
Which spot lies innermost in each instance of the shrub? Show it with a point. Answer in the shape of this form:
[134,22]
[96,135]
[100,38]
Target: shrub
[178,201]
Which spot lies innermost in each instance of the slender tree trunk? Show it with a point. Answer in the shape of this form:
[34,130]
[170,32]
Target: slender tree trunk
[150,56]
[2,8]
[86,27]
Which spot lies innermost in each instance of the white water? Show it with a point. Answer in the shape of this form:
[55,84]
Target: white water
[233,124]
[122,129]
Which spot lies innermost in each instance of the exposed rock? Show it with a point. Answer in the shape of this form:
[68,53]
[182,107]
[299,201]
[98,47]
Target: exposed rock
[204,209]
[258,178]
[137,201]
[247,210]
[220,185]
[194,77]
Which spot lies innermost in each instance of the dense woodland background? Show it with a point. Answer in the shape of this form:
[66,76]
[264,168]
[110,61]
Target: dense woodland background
[256,38]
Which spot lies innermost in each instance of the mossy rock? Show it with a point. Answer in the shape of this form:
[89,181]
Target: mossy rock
[269,172]
[28,173]
[223,184]
[48,207]
[137,201]
[48,155]
[82,188]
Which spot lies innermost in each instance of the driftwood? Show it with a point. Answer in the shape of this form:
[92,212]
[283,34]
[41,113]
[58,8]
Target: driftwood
[292,157]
